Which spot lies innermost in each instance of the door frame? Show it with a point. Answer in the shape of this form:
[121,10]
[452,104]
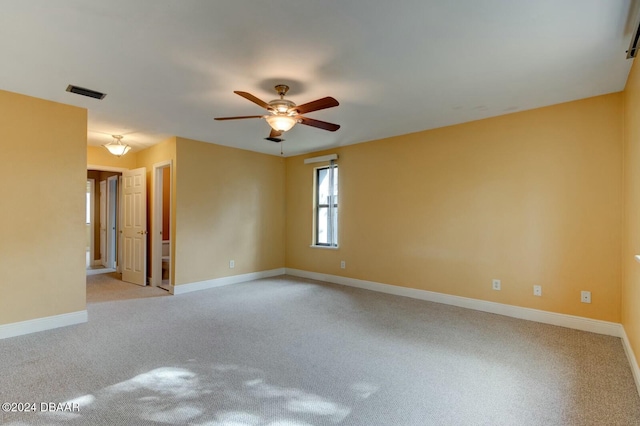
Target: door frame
[118,212]
[112,221]
[156,222]
[92,220]
[104,260]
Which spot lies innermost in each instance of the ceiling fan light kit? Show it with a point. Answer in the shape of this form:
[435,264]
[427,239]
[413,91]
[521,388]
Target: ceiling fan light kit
[116,147]
[284,114]
[281,123]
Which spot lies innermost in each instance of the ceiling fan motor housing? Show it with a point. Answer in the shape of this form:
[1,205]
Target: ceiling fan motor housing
[282,106]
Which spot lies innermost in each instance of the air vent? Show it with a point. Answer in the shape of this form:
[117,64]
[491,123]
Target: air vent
[85,92]
[633,46]
[274,139]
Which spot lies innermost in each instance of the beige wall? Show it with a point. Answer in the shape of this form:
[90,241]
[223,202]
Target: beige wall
[631,268]
[532,198]
[529,198]
[230,205]
[227,204]
[42,218]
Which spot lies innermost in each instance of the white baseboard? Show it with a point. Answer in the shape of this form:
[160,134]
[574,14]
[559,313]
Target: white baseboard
[42,324]
[219,282]
[632,359]
[563,320]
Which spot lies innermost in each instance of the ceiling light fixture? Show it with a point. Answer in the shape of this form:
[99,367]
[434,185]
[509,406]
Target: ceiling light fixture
[116,147]
[281,123]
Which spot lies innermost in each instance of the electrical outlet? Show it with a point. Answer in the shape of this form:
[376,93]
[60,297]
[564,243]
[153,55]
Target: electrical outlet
[343,264]
[496,284]
[585,296]
[232,264]
[537,290]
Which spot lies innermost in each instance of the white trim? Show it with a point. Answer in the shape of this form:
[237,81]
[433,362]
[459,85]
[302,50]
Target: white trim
[633,363]
[324,247]
[562,320]
[92,222]
[321,159]
[120,220]
[156,220]
[219,282]
[112,216]
[42,324]
[102,199]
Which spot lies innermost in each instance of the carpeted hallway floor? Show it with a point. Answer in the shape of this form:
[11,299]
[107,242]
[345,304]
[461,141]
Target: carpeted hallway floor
[287,351]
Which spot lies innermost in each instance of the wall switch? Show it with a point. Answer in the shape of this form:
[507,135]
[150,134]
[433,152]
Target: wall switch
[232,264]
[343,264]
[496,284]
[585,296]
[537,290]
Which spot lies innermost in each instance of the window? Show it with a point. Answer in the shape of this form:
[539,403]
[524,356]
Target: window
[326,206]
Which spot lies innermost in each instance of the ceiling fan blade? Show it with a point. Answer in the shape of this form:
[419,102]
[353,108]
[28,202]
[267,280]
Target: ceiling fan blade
[238,118]
[319,124]
[275,133]
[317,105]
[253,99]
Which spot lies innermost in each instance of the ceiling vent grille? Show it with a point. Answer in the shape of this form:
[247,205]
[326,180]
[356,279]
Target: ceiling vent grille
[274,139]
[633,46]
[85,92]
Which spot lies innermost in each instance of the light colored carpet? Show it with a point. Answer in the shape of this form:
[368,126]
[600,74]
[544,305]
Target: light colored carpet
[287,351]
[110,287]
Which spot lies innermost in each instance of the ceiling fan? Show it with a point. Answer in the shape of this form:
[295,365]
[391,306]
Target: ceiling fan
[284,114]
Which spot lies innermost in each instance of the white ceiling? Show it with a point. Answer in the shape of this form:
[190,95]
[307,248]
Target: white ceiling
[168,67]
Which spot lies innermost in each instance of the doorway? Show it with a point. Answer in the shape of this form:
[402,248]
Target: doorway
[161,241]
[90,223]
[102,217]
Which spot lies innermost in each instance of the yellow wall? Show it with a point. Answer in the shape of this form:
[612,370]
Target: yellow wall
[529,198]
[42,217]
[532,198]
[98,156]
[230,206]
[631,247]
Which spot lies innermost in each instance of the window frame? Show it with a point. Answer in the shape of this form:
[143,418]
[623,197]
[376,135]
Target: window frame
[318,206]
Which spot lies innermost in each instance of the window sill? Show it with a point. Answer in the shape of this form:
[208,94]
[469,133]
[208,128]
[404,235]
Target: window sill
[324,247]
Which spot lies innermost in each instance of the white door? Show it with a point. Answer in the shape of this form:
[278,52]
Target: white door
[103,223]
[134,226]
[112,185]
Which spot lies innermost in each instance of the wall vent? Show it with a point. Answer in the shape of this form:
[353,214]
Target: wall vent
[85,92]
